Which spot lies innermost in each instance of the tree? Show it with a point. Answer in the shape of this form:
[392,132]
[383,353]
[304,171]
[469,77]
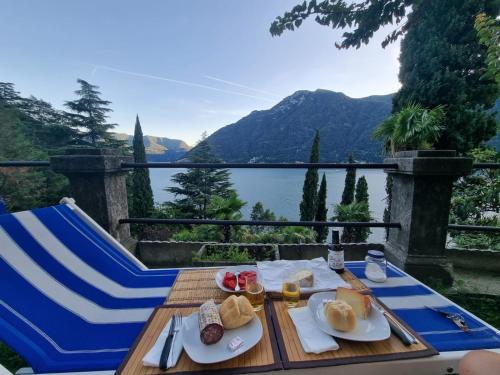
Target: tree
[364,18]
[357,211]
[349,183]
[142,203]
[442,61]
[321,211]
[260,214]
[447,70]
[412,128]
[8,94]
[361,194]
[30,135]
[488,31]
[476,201]
[226,209]
[90,113]
[197,186]
[310,189]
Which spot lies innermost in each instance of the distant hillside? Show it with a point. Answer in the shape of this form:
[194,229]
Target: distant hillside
[159,148]
[285,132]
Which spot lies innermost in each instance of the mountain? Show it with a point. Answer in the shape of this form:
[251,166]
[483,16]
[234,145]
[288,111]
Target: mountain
[285,132]
[159,148]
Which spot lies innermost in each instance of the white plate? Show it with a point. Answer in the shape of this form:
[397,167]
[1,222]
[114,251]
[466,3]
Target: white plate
[219,277]
[374,328]
[251,333]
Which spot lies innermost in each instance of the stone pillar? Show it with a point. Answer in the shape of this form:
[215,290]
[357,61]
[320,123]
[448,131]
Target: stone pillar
[421,195]
[98,185]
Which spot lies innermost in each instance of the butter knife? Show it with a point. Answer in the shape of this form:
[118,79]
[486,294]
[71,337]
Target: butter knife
[397,328]
[166,348]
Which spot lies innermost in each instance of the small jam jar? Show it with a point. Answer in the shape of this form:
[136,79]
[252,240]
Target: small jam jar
[376,266]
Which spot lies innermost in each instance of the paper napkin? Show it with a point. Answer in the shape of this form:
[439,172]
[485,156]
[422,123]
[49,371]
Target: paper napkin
[273,272]
[313,339]
[152,358]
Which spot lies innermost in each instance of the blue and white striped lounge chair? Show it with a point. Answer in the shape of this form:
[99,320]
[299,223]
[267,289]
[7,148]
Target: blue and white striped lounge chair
[71,297]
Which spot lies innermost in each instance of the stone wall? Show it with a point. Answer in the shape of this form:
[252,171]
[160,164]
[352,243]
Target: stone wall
[478,260]
[157,254]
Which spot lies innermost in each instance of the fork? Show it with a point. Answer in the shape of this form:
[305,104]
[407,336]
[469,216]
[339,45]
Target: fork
[177,327]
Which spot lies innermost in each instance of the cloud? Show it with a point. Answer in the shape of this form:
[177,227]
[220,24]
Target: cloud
[241,86]
[179,82]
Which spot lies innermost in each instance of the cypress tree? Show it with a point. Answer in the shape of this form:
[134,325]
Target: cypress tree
[142,196]
[350,181]
[321,211]
[361,197]
[310,189]
[361,194]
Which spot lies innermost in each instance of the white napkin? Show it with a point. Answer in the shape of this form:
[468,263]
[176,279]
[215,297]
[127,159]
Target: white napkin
[313,339]
[152,358]
[272,274]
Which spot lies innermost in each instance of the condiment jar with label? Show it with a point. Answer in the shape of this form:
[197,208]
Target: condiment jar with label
[376,266]
[336,254]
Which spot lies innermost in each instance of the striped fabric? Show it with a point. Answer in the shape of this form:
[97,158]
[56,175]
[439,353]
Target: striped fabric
[70,299]
[408,298]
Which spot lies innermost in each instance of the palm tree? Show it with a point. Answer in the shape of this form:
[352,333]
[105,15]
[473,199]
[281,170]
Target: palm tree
[226,209]
[412,128]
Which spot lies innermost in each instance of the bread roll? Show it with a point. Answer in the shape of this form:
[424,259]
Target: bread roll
[305,278]
[360,303]
[340,315]
[236,312]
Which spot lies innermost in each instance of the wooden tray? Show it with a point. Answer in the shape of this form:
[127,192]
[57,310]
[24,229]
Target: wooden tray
[197,285]
[293,356]
[262,357]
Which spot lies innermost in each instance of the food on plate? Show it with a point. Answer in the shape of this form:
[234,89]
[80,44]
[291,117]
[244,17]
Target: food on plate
[235,343]
[229,280]
[236,312]
[305,278]
[340,315]
[359,302]
[211,328]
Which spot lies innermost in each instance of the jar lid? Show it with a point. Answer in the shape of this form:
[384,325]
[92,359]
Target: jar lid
[376,254]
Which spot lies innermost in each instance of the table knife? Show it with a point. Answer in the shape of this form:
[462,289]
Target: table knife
[456,318]
[166,348]
[397,328]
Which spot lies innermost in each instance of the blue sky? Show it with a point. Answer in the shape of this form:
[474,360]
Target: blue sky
[184,66]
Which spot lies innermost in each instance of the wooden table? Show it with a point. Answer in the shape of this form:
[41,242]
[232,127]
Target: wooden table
[280,347]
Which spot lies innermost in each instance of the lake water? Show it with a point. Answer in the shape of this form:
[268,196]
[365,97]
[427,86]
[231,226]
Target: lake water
[281,190]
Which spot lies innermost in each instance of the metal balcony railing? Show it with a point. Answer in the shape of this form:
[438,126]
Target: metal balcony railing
[31,163]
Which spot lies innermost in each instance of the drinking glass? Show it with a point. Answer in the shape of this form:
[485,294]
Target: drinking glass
[290,291]
[254,291]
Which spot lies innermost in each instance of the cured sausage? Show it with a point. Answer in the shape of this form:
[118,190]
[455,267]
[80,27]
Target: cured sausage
[211,329]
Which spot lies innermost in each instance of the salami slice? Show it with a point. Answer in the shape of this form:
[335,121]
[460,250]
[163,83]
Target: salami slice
[211,329]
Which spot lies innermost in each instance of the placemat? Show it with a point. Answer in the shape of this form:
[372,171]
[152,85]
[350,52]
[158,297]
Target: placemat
[262,357]
[197,285]
[293,356]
